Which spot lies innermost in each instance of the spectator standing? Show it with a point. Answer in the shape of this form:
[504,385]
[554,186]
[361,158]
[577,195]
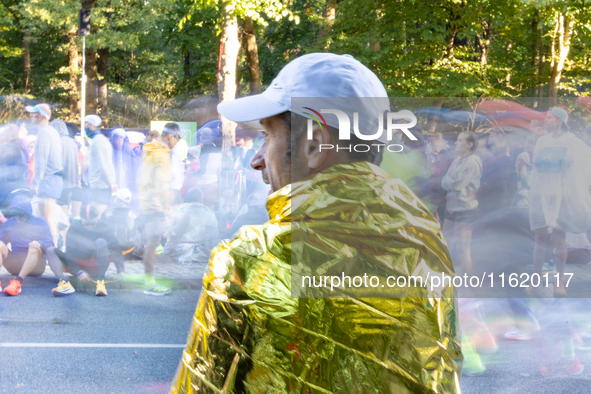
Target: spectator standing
[31,243]
[462,181]
[155,202]
[48,182]
[178,156]
[70,148]
[101,170]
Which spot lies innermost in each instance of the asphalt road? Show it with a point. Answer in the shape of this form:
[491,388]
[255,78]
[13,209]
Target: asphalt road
[44,341]
[87,344]
[515,367]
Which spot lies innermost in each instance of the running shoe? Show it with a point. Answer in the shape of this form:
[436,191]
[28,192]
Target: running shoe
[156,289]
[63,288]
[563,367]
[517,335]
[13,289]
[101,290]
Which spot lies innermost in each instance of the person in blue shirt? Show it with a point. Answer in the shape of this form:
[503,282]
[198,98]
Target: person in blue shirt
[31,243]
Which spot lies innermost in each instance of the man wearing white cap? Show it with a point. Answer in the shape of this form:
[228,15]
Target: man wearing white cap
[48,182]
[258,327]
[560,200]
[92,122]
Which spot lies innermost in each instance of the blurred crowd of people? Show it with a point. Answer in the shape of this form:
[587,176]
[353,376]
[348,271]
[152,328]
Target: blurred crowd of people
[511,202]
[79,201]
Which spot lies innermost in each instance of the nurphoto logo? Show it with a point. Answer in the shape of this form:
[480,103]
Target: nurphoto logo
[392,124]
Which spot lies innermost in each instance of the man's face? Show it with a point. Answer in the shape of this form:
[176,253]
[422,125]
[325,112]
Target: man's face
[36,117]
[89,126]
[493,139]
[172,140]
[271,158]
[118,142]
[553,122]
[22,218]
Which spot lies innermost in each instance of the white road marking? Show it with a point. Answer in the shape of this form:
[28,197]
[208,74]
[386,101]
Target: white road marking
[117,345]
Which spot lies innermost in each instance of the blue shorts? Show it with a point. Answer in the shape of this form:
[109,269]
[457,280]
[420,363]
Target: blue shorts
[51,187]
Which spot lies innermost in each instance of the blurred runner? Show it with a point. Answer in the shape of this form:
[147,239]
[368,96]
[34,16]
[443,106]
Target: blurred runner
[560,199]
[126,161]
[178,155]
[191,172]
[47,183]
[155,202]
[70,148]
[13,163]
[462,182]
[102,178]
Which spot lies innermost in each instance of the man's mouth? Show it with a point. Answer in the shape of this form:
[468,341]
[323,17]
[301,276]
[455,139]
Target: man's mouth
[265,176]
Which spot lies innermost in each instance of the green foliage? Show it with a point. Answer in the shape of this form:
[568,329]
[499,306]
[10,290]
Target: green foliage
[165,52]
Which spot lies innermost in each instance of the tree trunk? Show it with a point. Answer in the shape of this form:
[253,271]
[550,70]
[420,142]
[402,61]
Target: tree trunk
[26,64]
[449,43]
[72,74]
[329,13]
[91,82]
[484,42]
[229,47]
[534,42]
[187,64]
[252,56]
[103,88]
[565,26]
[542,57]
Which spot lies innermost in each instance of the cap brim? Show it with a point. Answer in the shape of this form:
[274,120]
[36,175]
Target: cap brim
[250,108]
[30,108]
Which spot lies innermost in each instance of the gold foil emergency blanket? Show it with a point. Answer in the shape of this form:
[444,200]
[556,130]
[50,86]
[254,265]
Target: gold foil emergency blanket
[249,334]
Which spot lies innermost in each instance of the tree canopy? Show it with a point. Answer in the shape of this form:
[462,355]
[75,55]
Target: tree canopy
[149,57]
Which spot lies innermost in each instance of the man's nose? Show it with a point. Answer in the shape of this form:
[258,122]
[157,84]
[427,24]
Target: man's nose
[258,160]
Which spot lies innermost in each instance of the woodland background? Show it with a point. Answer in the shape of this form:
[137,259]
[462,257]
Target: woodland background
[155,59]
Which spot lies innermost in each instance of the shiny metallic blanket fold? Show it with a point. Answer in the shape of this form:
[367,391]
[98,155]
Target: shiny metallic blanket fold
[250,334]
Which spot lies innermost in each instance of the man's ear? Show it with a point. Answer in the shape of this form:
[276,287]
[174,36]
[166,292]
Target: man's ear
[316,149]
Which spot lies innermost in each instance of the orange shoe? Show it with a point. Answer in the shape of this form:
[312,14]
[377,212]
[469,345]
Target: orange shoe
[13,289]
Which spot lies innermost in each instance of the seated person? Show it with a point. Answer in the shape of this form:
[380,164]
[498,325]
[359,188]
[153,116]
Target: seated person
[119,222]
[254,212]
[192,224]
[88,249]
[31,243]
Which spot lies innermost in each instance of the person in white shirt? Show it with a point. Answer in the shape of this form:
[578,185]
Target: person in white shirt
[462,182]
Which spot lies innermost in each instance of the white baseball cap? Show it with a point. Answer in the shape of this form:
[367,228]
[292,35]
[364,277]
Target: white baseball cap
[119,132]
[561,114]
[334,81]
[42,109]
[123,194]
[94,120]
